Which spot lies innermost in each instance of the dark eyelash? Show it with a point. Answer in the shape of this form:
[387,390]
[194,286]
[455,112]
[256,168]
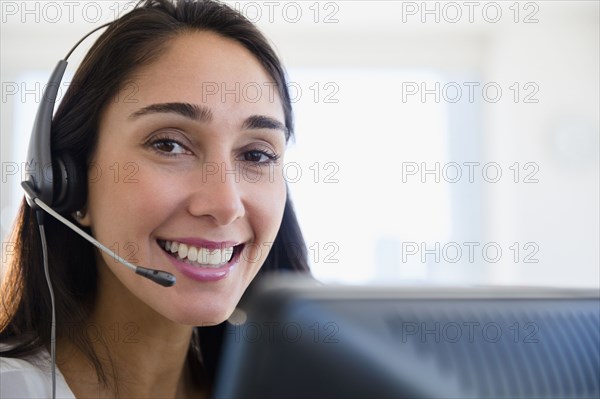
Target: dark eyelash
[270,155]
[162,139]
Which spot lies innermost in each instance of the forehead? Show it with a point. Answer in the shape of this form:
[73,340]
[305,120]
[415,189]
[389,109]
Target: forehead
[206,68]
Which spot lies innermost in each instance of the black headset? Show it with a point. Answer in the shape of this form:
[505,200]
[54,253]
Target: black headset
[57,184]
[53,178]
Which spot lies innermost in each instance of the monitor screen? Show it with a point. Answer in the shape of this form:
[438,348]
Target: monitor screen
[297,339]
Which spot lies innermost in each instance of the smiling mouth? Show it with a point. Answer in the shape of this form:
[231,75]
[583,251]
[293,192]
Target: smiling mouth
[200,256]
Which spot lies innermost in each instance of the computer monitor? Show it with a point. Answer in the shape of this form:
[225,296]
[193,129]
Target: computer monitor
[297,339]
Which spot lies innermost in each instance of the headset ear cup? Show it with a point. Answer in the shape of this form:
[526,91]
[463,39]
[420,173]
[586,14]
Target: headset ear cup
[70,186]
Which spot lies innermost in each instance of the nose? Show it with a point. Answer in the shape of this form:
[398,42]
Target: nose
[217,195]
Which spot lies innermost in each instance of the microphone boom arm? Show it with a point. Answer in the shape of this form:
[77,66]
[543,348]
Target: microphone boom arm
[158,276]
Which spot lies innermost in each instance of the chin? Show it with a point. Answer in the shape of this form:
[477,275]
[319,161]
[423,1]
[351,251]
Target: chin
[204,316]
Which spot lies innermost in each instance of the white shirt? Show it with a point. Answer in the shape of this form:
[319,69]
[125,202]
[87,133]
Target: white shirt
[30,378]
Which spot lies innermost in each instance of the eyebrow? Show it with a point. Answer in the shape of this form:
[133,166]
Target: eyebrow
[203,114]
[264,122]
[191,111]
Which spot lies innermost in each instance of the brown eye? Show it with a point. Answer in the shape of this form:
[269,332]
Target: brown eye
[257,156]
[168,147]
[165,146]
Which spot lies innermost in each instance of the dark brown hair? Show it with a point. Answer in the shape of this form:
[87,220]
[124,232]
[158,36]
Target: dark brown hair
[134,40]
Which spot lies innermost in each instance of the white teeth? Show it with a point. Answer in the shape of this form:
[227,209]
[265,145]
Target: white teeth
[192,254]
[203,256]
[226,255]
[200,256]
[182,251]
[214,257]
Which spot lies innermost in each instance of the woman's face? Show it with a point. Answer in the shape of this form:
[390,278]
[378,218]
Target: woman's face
[187,177]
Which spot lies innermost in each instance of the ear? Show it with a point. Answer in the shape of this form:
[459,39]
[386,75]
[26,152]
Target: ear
[83,217]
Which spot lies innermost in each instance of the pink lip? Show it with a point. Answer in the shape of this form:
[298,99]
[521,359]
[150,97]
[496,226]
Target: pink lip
[204,274]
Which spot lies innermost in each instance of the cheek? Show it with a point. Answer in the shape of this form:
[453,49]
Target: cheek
[124,199]
[264,209]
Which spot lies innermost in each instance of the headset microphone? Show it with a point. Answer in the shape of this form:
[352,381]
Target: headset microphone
[158,276]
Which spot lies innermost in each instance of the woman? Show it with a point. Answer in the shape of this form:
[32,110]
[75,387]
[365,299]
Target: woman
[183,174]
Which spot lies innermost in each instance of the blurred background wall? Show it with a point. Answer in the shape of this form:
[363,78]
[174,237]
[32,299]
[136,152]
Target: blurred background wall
[447,142]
